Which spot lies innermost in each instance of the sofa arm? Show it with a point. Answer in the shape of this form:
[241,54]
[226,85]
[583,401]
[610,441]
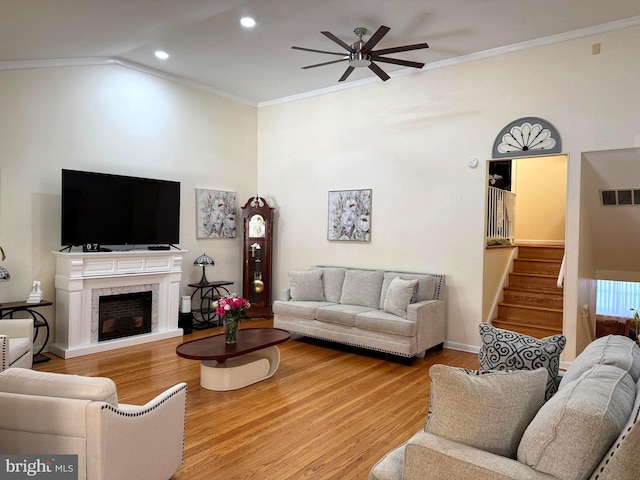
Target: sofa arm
[17,327]
[429,316]
[430,456]
[141,442]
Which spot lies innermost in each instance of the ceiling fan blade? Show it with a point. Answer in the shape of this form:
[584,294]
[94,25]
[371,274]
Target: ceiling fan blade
[318,51]
[395,61]
[332,37]
[375,38]
[346,73]
[404,48]
[325,63]
[378,71]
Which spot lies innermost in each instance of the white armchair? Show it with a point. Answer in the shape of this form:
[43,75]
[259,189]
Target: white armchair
[16,343]
[51,413]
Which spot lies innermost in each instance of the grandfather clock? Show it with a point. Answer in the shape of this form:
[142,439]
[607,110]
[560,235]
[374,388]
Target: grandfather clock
[257,218]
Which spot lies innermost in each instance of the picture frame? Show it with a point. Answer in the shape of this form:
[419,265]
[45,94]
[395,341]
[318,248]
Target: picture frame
[215,214]
[349,215]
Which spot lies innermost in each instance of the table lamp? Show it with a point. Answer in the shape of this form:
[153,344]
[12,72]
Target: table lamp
[202,261]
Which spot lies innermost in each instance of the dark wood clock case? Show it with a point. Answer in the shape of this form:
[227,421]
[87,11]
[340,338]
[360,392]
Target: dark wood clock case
[257,219]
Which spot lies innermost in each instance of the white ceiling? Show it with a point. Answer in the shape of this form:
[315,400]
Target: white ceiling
[209,47]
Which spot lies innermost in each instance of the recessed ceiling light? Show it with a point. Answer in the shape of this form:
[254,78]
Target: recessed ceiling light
[162,55]
[247,22]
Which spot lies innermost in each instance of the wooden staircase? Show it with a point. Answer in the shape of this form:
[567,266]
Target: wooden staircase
[532,303]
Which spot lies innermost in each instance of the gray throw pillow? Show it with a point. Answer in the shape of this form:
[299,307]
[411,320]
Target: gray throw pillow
[399,295]
[505,350]
[489,412]
[306,285]
[362,287]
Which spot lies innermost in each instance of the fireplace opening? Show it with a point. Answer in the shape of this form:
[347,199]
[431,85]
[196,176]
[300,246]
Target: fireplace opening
[124,315]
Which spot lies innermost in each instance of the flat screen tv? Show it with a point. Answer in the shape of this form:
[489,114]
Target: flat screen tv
[103,209]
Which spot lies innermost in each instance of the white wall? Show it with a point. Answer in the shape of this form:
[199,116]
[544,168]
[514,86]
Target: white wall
[114,120]
[409,140]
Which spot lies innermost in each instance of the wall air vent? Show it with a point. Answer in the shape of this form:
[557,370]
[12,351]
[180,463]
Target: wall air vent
[627,196]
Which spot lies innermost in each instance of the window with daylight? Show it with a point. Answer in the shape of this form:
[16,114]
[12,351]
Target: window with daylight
[616,298]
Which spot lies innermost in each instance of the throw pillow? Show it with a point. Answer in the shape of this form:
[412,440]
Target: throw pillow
[505,350]
[489,412]
[362,287]
[306,285]
[399,295]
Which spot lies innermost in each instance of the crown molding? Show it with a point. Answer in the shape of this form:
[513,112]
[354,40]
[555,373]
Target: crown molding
[472,57]
[97,61]
[94,61]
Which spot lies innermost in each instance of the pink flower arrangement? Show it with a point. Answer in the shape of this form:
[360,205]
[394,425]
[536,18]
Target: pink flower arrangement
[232,305]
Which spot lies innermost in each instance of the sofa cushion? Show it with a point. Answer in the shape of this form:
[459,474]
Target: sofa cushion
[616,350]
[340,314]
[305,310]
[30,382]
[621,461]
[399,295]
[362,287]
[306,285]
[489,412]
[379,321]
[332,280]
[426,286]
[505,350]
[574,429]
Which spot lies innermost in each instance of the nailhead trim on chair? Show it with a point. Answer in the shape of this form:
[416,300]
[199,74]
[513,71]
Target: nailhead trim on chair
[5,352]
[137,414]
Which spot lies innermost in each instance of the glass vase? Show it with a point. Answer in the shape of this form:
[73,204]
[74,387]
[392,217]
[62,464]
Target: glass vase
[230,329]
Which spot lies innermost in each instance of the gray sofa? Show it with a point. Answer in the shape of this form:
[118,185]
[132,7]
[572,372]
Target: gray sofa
[588,429]
[399,313]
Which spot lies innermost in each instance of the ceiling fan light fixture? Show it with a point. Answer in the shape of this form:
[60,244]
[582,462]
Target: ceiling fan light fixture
[359,59]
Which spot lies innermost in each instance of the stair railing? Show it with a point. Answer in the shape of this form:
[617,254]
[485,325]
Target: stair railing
[561,274]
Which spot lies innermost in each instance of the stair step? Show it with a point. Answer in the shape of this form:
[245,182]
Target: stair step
[541,252]
[552,298]
[525,329]
[534,281]
[531,315]
[544,267]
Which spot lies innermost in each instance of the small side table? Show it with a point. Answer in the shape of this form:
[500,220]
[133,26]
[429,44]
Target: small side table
[39,321]
[208,292]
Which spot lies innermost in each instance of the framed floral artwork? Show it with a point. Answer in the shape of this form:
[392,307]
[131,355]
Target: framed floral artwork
[349,215]
[216,214]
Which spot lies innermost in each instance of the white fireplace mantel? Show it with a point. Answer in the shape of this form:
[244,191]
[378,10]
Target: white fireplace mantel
[78,274]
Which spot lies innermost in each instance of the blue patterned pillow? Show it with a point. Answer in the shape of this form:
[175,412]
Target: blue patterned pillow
[505,350]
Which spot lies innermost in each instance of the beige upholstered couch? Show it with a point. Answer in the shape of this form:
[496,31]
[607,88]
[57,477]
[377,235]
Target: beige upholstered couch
[393,312]
[16,343]
[49,413]
[588,429]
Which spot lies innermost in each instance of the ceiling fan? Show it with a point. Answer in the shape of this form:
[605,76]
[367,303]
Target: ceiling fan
[361,53]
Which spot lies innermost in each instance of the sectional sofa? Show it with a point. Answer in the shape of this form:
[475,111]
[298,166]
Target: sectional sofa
[589,429]
[399,313]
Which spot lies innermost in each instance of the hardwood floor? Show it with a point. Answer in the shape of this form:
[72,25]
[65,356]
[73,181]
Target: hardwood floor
[327,413]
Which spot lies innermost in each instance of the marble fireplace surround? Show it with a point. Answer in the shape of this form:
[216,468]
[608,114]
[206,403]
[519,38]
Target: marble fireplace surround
[81,278]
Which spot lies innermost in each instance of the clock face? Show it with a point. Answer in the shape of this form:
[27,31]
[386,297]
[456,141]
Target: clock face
[256,227]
